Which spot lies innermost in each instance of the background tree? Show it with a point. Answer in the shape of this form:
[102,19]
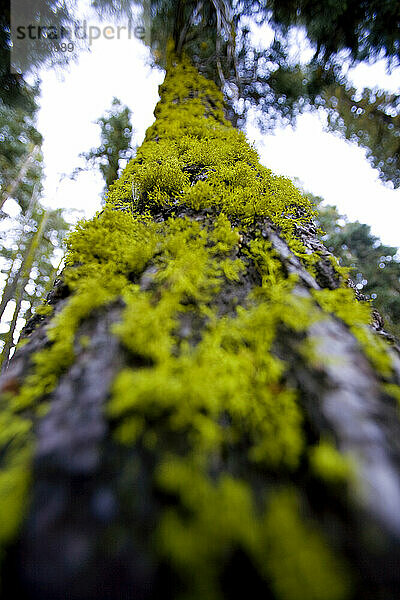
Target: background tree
[115,145]
[374,267]
[20,156]
[31,242]
[217,36]
[29,55]
[31,254]
[371,119]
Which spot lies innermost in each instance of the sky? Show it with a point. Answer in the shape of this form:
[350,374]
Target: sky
[326,165]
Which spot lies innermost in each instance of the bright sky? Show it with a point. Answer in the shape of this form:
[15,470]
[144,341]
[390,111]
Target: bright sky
[326,165]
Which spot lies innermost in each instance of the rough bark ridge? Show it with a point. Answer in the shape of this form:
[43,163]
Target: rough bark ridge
[201,405]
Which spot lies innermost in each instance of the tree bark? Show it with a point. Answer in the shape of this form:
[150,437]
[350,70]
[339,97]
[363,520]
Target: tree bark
[223,418]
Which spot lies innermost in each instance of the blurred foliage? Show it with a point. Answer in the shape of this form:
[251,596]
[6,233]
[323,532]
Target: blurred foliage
[30,241]
[115,143]
[367,29]
[268,77]
[275,81]
[20,155]
[371,119]
[374,267]
[14,90]
[30,253]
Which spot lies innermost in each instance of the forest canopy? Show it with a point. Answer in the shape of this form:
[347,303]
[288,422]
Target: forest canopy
[217,36]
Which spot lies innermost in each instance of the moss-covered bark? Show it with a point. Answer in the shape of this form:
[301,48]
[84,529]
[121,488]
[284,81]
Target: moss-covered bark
[200,408]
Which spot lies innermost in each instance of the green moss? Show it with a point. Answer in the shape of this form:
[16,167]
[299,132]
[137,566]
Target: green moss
[298,561]
[21,343]
[190,134]
[44,309]
[14,484]
[329,464]
[393,390]
[95,278]
[217,517]
[203,377]
[357,315]
[16,442]
[84,341]
[221,517]
[231,369]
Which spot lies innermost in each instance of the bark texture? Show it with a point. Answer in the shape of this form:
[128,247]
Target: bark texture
[205,408]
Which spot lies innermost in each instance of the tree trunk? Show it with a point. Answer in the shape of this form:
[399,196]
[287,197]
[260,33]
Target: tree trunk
[13,277]
[11,187]
[9,339]
[207,410]
[17,287]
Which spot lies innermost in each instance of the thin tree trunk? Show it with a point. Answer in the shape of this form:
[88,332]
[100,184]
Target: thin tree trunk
[10,189]
[17,294]
[206,413]
[28,313]
[10,289]
[8,279]
[9,340]
[11,284]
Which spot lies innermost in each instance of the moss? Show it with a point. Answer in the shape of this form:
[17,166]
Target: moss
[21,343]
[297,559]
[222,516]
[203,377]
[219,516]
[393,390]
[16,442]
[357,315]
[44,309]
[230,371]
[329,464]
[99,281]
[190,134]
[14,484]
[84,341]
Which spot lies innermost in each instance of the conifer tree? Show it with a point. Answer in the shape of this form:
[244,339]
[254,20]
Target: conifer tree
[20,156]
[30,257]
[374,267]
[115,143]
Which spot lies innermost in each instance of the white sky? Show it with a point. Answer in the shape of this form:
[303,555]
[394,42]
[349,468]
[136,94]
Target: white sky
[325,164]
